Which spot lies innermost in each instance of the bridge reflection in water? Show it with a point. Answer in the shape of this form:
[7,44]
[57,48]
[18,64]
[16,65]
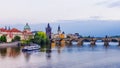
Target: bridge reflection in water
[16,51]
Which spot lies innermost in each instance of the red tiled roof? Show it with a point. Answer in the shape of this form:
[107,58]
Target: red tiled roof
[25,32]
[12,30]
[15,30]
[2,29]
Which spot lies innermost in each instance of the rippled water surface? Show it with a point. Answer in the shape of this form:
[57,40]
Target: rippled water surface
[63,57]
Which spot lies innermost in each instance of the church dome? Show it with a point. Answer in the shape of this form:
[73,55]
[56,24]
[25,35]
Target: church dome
[26,27]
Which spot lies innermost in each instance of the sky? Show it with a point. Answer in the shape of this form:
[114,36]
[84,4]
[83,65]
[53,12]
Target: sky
[67,13]
[41,11]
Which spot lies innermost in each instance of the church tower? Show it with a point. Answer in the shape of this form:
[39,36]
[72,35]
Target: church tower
[59,30]
[48,31]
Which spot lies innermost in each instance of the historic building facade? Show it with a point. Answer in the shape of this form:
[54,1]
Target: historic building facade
[11,33]
[59,34]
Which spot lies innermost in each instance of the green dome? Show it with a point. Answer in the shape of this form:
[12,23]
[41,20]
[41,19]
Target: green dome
[27,27]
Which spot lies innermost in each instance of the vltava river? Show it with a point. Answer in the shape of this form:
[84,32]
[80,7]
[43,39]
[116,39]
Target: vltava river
[63,57]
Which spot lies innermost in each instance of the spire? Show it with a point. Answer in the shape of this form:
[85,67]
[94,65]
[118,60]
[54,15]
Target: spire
[59,28]
[27,24]
[48,28]
[9,28]
[5,27]
[63,32]
[48,25]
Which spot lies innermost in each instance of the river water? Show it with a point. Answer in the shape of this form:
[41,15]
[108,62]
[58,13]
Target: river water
[65,56]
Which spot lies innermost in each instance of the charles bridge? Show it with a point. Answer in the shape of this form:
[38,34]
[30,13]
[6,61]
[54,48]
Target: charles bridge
[60,37]
[92,41]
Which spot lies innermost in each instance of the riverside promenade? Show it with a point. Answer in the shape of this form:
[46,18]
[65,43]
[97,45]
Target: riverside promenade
[12,44]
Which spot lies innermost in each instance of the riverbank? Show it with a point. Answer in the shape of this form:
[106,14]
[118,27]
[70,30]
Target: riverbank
[12,44]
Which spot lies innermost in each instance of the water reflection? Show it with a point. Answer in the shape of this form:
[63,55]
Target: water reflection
[106,47]
[48,51]
[13,52]
[62,44]
[56,56]
[59,50]
[16,51]
[27,56]
[3,52]
[10,52]
[48,54]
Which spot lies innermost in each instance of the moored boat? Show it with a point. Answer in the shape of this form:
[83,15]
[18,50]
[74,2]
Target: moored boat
[31,48]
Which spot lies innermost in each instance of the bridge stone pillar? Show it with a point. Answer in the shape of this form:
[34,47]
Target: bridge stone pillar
[69,42]
[118,42]
[93,42]
[58,42]
[106,42]
[52,41]
[80,42]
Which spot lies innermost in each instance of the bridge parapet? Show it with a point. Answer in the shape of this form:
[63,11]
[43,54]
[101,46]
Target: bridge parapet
[91,40]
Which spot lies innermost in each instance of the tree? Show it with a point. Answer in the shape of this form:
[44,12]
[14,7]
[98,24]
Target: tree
[41,38]
[16,38]
[25,42]
[3,38]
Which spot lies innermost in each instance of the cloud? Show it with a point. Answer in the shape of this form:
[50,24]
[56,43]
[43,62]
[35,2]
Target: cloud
[110,3]
[102,3]
[95,17]
[40,11]
[114,4]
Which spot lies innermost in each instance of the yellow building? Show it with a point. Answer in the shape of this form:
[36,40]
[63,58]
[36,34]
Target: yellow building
[59,34]
[62,36]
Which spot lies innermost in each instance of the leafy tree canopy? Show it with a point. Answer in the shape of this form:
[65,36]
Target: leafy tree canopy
[16,38]
[41,38]
[3,38]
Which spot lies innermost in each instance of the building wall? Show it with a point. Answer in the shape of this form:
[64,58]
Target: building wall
[58,36]
[20,34]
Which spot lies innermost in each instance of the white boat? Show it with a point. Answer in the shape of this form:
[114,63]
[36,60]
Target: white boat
[31,48]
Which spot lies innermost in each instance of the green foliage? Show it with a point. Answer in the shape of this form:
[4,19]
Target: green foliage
[16,38]
[3,38]
[47,41]
[117,36]
[41,38]
[25,42]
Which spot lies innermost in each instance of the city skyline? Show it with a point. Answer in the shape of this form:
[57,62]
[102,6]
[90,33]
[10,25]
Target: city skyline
[98,28]
[59,33]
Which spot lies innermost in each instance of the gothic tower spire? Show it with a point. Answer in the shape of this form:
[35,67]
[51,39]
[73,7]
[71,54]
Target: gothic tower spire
[59,29]
[48,31]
